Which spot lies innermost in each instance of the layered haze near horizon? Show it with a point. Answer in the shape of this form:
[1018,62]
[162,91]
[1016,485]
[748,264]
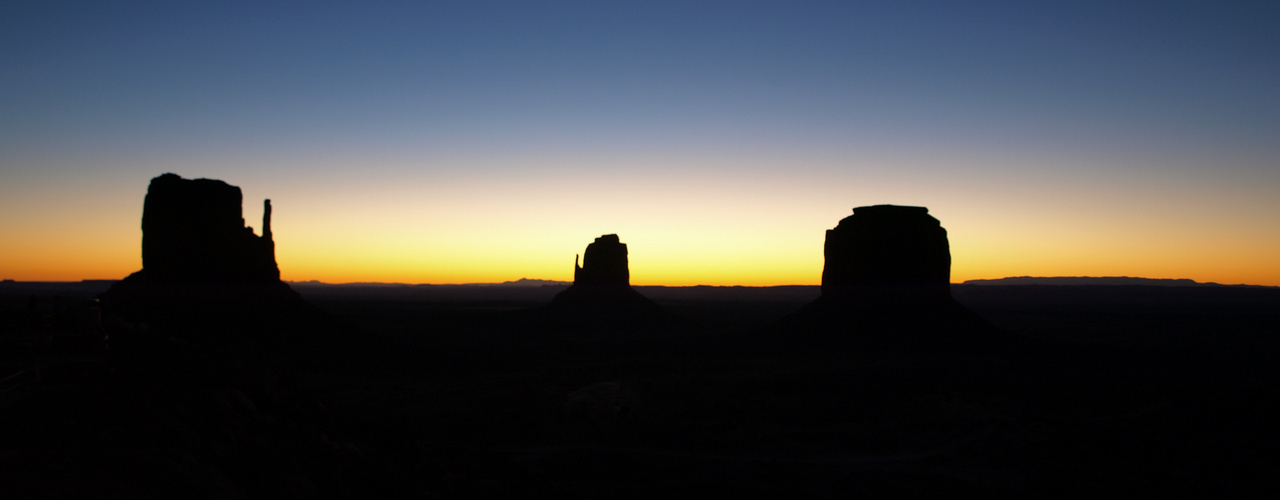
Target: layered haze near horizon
[489,141]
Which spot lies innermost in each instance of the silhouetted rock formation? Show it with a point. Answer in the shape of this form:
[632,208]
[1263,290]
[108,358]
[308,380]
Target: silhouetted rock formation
[887,274]
[604,263]
[198,257]
[194,230]
[887,253]
[601,287]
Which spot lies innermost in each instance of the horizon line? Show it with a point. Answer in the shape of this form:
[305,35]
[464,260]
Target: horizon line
[547,282]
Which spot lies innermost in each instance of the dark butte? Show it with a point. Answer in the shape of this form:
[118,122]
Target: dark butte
[887,252]
[199,260]
[601,292]
[605,263]
[194,230]
[887,275]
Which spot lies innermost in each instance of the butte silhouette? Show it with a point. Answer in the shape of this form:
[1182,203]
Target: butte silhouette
[199,260]
[887,280]
[601,290]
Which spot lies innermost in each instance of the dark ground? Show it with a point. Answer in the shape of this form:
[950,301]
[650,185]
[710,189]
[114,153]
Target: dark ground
[1106,392]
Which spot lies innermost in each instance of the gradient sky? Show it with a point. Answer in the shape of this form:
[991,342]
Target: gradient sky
[451,142]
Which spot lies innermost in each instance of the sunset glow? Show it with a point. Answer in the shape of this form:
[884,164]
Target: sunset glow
[458,145]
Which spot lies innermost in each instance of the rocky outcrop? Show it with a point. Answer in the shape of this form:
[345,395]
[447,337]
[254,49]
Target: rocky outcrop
[198,257]
[193,230]
[601,290]
[604,264]
[887,253]
[886,280]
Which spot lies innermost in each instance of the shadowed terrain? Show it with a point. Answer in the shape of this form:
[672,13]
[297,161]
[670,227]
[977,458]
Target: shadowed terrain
[1135,391]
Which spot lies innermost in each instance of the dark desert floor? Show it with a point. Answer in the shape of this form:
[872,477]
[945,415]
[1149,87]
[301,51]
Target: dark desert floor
[440,392]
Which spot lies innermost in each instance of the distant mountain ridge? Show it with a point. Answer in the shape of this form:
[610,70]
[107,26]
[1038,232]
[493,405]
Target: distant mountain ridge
[528,282]
[1089,280]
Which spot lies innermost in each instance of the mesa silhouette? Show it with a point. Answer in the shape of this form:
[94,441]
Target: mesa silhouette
[887,279]
[210,288]
[601,290]
[199,259]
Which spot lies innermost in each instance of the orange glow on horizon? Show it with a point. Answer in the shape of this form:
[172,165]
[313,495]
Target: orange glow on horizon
[657,256]
[69,266]
[750,226]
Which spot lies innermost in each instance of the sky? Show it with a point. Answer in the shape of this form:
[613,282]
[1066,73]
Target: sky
[458,142]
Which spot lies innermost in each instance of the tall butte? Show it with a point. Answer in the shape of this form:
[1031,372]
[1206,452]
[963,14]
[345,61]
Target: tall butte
[887,253]
[601,287]
[605,264]
[193,230]
[198,255]
[887,274]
